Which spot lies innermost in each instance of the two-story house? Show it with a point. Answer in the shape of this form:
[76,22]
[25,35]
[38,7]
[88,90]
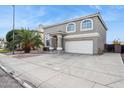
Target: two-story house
[84,35]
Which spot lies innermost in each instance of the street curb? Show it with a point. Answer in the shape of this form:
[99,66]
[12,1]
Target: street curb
[21,82]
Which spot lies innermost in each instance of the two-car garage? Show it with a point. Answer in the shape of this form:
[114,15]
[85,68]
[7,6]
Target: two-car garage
[83,47]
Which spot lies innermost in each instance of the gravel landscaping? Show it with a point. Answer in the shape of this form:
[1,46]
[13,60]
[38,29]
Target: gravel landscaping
[21,54]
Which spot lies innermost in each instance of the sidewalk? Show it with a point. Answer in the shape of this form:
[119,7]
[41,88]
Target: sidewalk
[34,72]
[7,82]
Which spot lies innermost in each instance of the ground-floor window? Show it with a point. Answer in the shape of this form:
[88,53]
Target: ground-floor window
[47,40]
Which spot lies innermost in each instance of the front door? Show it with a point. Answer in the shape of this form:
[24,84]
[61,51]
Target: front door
[54,41]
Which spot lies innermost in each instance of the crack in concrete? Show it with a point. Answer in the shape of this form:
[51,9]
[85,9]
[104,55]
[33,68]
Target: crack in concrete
[115,82]
[50,78]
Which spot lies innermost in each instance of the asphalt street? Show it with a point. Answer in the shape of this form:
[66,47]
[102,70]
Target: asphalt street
[8,82]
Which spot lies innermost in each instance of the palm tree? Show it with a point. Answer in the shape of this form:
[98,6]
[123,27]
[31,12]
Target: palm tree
[28,39]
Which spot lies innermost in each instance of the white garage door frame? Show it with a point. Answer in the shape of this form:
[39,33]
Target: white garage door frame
[82,47]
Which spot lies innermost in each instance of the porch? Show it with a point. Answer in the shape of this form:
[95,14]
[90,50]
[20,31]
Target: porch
[56,41]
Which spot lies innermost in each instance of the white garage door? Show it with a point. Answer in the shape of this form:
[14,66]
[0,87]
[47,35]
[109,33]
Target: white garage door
[84,47]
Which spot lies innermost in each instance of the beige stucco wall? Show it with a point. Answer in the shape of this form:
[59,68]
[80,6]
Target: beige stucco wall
[40,31]
[62,27]
[97,27]
[102,31]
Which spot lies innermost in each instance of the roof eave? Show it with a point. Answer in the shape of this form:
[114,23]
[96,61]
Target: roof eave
[82,17]
[102,21]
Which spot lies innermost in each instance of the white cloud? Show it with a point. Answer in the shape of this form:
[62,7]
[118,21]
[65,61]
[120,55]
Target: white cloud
[26,16]
[111,16]
[98,7]
[29,17]
[118,7]
[109,12]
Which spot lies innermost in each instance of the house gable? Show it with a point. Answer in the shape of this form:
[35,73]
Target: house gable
[78,19]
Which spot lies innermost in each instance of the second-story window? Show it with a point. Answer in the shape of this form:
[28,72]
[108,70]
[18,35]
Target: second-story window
[87,24]
[71,27]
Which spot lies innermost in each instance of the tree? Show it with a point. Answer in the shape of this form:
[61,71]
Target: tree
[28,39]
[116,42]
[9,39]
[9,35]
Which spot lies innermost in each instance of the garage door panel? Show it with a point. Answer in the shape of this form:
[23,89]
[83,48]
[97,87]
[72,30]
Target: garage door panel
[85,47]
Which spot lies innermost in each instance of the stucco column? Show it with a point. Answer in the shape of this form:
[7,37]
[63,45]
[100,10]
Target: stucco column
[51,45]
[59,42]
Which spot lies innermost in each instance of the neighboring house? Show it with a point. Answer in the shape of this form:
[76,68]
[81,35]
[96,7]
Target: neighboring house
[122,43]
[2,43]
[85,35]
[40,31]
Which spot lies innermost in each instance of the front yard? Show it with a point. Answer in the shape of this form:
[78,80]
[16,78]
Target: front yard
[4,51]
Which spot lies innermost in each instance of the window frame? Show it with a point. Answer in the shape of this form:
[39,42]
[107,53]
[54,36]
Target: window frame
[86,29]
[71,30]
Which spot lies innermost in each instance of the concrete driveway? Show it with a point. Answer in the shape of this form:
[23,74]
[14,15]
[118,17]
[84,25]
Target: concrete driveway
[68,70]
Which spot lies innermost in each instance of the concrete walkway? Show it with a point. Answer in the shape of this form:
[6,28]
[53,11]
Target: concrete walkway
[68,70]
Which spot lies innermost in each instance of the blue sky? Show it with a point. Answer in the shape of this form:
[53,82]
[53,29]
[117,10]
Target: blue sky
[32,16]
